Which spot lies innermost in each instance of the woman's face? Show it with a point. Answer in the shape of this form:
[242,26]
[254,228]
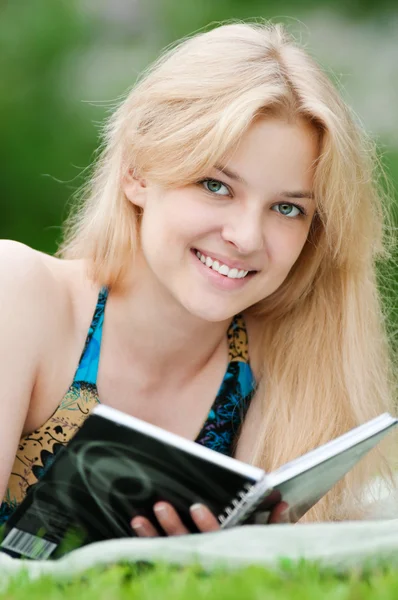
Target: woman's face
[222,244]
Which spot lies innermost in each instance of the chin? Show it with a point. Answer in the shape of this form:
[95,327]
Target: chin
[214,313]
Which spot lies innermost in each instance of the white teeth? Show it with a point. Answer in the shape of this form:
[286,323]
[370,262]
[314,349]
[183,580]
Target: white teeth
[215,265]
[220,268]
[223,270]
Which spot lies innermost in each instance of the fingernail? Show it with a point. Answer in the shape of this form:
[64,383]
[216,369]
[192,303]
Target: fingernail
[160,509]
[199,511]
[138,527]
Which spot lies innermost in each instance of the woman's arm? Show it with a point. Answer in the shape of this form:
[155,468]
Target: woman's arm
[24,303]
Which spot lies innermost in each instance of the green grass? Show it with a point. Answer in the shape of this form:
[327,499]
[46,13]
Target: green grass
[301,581]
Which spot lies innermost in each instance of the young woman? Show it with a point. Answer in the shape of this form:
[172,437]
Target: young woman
[218,279]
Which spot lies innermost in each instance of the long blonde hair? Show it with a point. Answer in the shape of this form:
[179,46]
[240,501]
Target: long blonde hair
[326,360]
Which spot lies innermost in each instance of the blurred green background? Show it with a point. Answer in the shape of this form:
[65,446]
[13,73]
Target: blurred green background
[65,63]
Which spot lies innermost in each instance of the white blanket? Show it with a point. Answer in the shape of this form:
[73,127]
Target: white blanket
[338,545]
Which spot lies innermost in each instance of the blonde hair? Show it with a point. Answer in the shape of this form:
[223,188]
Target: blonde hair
[325,356]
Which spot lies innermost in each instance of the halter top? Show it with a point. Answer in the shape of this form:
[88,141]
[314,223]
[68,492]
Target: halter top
[38,449]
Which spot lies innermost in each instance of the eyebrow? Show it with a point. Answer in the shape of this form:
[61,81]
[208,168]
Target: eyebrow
[236,177]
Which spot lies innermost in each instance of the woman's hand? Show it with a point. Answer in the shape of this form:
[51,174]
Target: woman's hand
[171,522]
[201,515]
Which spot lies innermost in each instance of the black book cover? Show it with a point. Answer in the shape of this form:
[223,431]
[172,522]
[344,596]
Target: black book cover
[108,474]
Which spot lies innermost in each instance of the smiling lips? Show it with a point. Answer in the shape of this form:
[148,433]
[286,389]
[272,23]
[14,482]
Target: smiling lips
[222,269]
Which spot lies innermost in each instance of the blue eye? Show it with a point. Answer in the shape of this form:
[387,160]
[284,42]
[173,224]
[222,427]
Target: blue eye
[214,186]
[289,210]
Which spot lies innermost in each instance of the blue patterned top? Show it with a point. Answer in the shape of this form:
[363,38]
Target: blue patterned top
[38,449]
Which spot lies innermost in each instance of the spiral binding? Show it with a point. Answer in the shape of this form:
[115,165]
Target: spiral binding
[252,492]
[236,504]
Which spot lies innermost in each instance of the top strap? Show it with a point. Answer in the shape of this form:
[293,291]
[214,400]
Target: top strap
[88,365]
[238,343]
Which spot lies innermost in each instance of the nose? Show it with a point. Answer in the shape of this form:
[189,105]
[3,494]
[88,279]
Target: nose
[245,231]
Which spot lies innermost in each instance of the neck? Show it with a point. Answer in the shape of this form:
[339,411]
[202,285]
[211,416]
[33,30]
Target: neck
[149,329]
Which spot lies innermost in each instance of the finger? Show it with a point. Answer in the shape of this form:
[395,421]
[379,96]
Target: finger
[169,519]
[204,518]
[143,527]
[277,513]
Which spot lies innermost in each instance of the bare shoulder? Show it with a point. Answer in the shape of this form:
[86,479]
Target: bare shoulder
[29,278]
[24,277]
[45,309]
[15,253]
[43,293]
[32,297]
[41,277]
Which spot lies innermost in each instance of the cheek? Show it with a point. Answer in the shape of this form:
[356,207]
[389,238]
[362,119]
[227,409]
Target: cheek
[178,220]
[286,245]
[166,232]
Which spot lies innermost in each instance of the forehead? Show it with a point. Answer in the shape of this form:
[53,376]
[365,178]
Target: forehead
[275,153]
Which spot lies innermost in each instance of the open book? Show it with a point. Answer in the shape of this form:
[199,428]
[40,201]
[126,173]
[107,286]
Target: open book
[117,467]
